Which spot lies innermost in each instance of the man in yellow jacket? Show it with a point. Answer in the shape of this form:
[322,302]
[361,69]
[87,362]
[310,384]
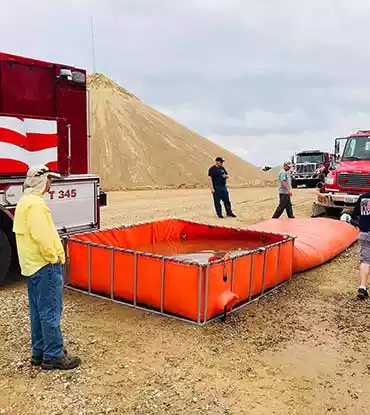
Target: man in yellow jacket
[41,256]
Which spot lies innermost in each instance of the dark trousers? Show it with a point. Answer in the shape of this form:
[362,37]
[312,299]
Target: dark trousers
[45,294]
[221,193]
[285,204]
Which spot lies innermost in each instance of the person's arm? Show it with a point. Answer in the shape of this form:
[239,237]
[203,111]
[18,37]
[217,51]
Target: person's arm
[227,174]
[356,213]
[41,233]
[210,182]
[285,185]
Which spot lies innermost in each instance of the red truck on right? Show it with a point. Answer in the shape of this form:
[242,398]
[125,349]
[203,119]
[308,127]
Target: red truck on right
[348,178]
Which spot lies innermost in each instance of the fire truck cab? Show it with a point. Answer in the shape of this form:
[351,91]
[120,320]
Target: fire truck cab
[349,178]
[44,119]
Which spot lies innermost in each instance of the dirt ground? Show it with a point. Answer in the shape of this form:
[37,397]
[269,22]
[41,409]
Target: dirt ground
[303,349]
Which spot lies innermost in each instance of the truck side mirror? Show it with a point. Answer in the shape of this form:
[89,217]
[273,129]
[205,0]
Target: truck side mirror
[337,148]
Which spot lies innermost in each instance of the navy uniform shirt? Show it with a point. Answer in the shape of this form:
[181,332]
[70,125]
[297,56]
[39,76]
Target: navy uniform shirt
[361,213]
[218,175]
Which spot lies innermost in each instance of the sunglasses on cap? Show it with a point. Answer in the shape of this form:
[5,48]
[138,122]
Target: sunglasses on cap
[42,171]
[46,170]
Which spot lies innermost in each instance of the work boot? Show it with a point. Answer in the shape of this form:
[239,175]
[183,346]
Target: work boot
[63,362]
[231,215]
[220,216]
[36,360]
[362,293]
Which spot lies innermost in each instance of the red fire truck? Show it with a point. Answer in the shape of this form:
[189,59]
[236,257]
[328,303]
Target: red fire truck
[348,179]
[44,119]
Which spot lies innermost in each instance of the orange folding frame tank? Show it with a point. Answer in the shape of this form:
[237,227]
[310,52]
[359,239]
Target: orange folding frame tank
[112,263]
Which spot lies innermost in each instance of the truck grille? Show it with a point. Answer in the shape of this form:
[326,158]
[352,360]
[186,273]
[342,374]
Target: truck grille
[359,181]
[305,168]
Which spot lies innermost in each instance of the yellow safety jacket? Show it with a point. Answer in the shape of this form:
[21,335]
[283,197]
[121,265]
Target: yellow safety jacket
[38,242]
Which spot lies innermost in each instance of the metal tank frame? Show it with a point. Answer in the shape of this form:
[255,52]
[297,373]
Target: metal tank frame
[201,267]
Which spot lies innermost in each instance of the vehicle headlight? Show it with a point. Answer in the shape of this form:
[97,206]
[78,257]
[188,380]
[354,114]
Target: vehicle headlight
[329,180]
[346,218]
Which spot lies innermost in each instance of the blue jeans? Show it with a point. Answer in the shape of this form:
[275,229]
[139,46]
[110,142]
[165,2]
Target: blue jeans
[45,295]
[221,193]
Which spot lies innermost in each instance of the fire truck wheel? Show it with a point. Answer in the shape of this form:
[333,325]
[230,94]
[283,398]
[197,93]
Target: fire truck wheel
[5,256]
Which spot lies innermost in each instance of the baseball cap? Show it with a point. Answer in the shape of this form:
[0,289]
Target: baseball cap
[220,159]
[287,163]
[37,171]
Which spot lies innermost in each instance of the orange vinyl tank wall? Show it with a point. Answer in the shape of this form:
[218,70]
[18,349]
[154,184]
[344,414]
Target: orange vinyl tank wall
[109,263]
[318,240]
[248,276]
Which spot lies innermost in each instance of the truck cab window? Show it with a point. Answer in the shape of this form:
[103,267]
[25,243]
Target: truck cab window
[310,158]
[358,148]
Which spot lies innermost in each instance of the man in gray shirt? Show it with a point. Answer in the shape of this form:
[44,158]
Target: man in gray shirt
[285,192]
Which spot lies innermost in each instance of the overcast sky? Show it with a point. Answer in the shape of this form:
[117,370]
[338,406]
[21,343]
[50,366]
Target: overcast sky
[262,78]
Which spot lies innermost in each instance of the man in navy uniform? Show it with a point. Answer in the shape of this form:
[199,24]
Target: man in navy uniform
[360,218]
[217,176]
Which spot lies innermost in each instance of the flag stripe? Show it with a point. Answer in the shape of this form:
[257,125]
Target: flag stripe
[8,166]
[12,137]
[33,125]
[33,141]
[13,124]
[10,151]
[27,142]
[37,142]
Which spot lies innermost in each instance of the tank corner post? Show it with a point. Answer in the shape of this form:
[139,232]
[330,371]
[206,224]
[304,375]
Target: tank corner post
[111,266]
[89,267]
[232,274]
[135,279]
[206,295]
[163,268]
[278,266]
[200,284]
[251,275]
[264,270]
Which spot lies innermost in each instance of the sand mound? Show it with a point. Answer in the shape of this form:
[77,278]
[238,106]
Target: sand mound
[275,171]
[135,146]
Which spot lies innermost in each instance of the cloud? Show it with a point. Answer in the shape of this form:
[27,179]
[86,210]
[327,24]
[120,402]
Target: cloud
[274,148]
[262,78]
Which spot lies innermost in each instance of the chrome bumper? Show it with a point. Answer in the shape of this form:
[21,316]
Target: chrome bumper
[307,177]
[339,200]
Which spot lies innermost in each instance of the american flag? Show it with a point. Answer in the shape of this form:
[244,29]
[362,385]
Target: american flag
[26,142]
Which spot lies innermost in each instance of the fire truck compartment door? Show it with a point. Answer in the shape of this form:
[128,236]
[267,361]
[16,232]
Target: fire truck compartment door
[73,204]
